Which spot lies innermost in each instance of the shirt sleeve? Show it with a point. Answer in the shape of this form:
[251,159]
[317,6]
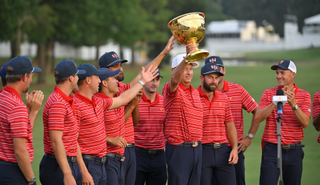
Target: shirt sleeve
[264,101]
[316,105]
[56,116]
[166,91]
[248,103]
[305,106]
[229,117]
[18,120]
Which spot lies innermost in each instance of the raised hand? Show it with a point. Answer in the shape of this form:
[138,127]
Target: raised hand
[148,75]
[169,46]
[34,100]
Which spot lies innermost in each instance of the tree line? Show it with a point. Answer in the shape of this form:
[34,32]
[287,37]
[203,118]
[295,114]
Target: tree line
[138,24]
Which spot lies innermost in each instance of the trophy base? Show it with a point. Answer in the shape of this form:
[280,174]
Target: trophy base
[197,55]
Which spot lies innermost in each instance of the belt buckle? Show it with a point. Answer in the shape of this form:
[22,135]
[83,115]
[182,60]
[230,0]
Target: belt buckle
[122,159]
[152,152]
[103,160]
[286,147]
[73,159]
[216,145]
[195,144]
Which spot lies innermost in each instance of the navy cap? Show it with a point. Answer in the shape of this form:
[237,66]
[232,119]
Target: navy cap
[158,73]
[67,68]
[210,68]
[110,59]
[22,65]
[3,72]
[108,73]
[287,65]
[214,60]
[90,71]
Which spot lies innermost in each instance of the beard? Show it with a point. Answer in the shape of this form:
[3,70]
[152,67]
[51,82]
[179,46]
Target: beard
[120,77]
[208,87]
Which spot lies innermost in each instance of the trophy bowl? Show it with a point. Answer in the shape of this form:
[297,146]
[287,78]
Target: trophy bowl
[190,28]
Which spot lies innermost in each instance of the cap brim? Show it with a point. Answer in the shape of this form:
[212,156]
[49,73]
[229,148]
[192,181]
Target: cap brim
[274,67]
[209,72]
[115,73]
[117,62]
[36,70]
[81,72]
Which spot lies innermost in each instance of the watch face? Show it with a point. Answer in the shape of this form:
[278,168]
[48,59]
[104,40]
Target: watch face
[250,136]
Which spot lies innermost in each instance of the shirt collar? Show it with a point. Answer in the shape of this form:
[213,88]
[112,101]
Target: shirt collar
[186,88]
[85,99]
[99,94]
[144,98]
[216,95]
[225,86]
[12,91]
[64,96]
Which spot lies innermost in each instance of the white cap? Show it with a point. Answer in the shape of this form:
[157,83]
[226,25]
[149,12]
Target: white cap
[178,59]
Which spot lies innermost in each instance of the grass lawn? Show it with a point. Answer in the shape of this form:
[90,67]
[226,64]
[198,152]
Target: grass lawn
[255,79]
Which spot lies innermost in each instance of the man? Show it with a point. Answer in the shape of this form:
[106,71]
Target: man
[112,61]
[58,165]
[90,113]
[239,99]
[183,124]
[16,154]
[217,157]
[316,112]
[149,137]
[296,116]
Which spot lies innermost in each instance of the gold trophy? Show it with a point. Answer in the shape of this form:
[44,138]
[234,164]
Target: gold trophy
[190,28]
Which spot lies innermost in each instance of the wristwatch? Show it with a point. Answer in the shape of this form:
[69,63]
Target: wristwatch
[33,180]
[250,136]
[295,107]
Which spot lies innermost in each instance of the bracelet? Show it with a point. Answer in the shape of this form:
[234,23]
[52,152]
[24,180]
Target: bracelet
[141,83]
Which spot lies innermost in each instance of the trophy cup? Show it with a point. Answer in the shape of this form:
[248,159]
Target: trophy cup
[190,28]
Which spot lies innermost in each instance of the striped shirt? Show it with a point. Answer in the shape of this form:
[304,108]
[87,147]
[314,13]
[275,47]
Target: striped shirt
[129,129]
[149,131]
[14,123]
[114,124]
[92,133]
[184,114]
[291,130]
[215,116]
[316,107]
[58,114]
[239,99]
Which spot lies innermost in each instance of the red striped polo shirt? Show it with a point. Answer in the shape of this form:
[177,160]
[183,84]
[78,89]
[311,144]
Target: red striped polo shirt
[291,131]
[184,114]
[149,131]
[114,124]
[215,116]
[58,114]
[92,133]
[316,107]
[239,99]
[14,123]
[129,129]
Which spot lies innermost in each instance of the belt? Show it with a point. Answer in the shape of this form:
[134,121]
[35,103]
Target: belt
[149,151]
[190,144]
[130,145]
[215,145]
[8,163]
[292,146]
[117,157]
[94,158]
[70,159]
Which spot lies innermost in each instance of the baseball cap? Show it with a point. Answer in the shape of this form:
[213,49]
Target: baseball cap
[287,65]
[210,68]
[3,71]
[158,73]
[178,59]
[67,68]
[90,71]
[214,60]
[22,65]
[108,73]
[109,59]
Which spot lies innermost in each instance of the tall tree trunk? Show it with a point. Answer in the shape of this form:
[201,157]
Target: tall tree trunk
[42,60]
[51,57]
[13,48]
[18,37]
[121,52]
[132,54]
[97,52]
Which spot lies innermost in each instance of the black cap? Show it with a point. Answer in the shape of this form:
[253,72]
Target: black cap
[210,68]
[110,59]
[22,65]
[67,68]
[214,60]
[287,65]
[90,71]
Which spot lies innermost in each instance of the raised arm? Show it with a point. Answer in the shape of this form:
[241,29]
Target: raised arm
[34,102]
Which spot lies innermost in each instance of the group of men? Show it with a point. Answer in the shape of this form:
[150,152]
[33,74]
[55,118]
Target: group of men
[98,130]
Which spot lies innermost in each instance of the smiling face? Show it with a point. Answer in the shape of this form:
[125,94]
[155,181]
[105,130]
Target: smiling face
[120,77]
[94,83]
[284,77]
[112,84]
[153,85]
[187,75]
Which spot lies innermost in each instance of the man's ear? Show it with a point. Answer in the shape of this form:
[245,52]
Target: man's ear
[24,77]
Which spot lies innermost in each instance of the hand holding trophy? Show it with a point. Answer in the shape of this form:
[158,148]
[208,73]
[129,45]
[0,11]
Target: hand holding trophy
[190,28]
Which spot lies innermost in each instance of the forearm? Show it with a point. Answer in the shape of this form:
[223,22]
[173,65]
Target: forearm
[302,118]
[232,135]
[23,158]
[254,125]
[82,166]
[33,116]
[316,122]
[176,75]
[128,111]
[262,114]
[127,96]
[60,155]
[135,116]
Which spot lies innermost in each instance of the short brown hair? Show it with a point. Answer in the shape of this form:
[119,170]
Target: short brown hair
[13,78]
